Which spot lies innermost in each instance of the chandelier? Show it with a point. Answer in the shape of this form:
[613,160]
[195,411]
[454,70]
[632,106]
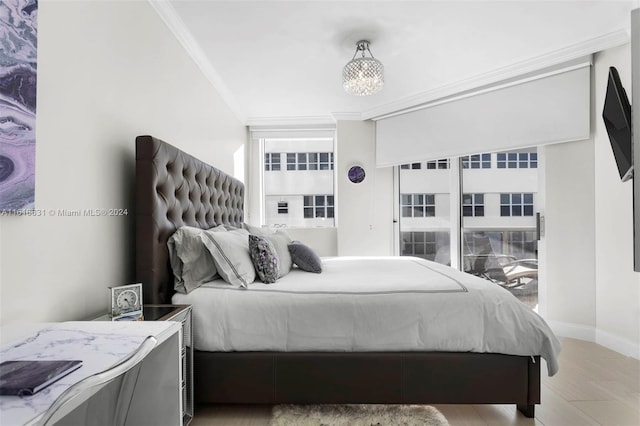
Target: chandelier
[365,75]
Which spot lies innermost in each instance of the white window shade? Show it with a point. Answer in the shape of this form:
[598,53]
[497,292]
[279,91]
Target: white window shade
[550,109]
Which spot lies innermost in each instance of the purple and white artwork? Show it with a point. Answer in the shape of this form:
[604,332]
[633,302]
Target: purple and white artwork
[18,54]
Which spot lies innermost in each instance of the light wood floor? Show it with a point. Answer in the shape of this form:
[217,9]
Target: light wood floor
[595,386]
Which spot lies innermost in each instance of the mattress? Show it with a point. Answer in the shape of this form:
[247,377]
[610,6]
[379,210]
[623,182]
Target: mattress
[363,304]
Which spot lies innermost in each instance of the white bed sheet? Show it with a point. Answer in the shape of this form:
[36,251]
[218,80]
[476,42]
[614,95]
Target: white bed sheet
[364,304]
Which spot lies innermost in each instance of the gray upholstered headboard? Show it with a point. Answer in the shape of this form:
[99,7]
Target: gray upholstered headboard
[174,189]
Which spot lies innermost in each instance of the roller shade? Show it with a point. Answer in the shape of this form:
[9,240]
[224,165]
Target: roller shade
[550,109]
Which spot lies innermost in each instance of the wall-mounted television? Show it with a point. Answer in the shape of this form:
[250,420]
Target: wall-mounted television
[617,119]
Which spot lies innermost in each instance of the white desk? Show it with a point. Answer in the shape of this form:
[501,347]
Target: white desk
[100,345]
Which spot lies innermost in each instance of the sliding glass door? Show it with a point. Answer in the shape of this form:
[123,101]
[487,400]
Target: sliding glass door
[480,212]
[499,204]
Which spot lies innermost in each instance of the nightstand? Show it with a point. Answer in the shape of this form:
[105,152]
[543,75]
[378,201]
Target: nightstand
[179,313]
[182,314]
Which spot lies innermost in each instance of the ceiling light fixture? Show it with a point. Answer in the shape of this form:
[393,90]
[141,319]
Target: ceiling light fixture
[365,75]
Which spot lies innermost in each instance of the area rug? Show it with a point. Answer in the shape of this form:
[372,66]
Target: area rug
[356,415]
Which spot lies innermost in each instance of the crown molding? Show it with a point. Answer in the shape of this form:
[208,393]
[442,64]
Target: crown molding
[533,64]
[291,122]
[170,17]
[347,116]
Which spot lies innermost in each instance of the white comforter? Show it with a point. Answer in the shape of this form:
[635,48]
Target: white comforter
[369,304]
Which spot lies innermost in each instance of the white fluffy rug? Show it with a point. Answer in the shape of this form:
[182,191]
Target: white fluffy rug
[356,415]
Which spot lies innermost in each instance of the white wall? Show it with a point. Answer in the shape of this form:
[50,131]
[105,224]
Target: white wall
[591,291]
[569,240]
[618,286]
[365,210]
[107,71]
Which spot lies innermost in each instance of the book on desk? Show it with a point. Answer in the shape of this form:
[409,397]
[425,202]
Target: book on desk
[27,377]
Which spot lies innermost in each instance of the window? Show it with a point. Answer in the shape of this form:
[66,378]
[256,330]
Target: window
[476,161]
[418,205]
[523,244]
[440,164]
[473,204]
[272,161]
[516,204]
[305,167]
[318,206]
[310,161]
[517,160]
[418,243]
[412,166]
[424,244]
[325,161]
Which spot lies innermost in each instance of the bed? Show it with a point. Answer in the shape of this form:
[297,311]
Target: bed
[174,189]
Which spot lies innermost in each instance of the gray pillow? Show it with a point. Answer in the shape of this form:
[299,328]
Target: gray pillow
[304,257]
[190,261]
[230,252]
[265,259]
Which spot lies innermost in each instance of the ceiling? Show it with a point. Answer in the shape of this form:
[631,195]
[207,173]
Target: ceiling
[280,62]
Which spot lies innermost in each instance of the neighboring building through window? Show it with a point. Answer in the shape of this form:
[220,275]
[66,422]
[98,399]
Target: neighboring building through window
[310,161]
[476,161]
[412,166]
[473,205]
[421,244]
[283,207]
[439,164]
[272,161]
[516,204]
[429,165]
[297,165]
[418,205]
[318,206]
[425,244]
[517,160]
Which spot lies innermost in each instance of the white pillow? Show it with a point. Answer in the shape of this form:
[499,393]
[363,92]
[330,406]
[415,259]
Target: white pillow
[190,260]
[230,252]
[280,241]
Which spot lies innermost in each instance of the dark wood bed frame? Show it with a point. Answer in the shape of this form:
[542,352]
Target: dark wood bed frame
[175,189]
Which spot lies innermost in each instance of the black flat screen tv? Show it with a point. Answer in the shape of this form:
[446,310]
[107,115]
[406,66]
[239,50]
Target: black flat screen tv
[617,119]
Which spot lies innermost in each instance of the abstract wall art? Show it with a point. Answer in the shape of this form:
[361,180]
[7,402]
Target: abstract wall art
[18,65]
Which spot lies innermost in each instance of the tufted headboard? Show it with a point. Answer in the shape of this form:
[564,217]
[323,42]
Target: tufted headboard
[174,189]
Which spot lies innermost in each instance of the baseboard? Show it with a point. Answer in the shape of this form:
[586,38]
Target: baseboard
[591,334]
[618,344]
[574,331]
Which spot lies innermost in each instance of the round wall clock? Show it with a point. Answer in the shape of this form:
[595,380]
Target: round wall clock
[356,174]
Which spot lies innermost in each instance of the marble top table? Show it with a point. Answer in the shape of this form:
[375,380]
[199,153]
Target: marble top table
[100,345]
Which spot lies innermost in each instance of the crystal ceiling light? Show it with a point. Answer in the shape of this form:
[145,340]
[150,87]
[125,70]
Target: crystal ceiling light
[365,75]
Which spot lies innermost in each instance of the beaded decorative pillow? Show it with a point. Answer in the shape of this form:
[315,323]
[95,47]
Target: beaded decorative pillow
[265,259]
